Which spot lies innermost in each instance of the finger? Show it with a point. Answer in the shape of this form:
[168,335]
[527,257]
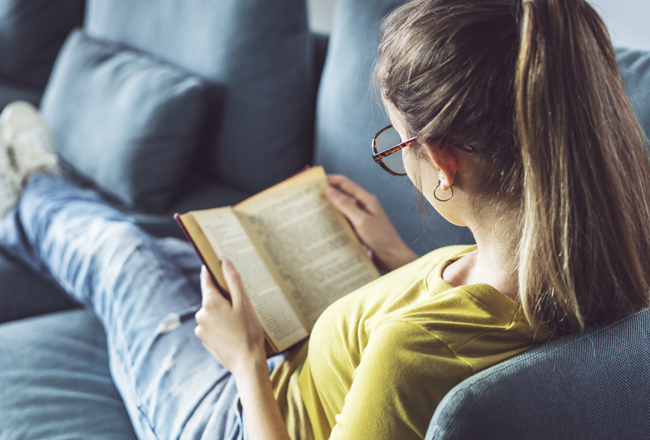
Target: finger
[335,179]
[234,282]
[346,205]
[211,295]
[206,280]
[348,186]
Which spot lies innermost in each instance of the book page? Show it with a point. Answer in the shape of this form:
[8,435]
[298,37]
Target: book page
[311,245]
[229,240]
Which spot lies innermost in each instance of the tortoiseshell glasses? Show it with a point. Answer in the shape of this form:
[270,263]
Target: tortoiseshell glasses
[387,149]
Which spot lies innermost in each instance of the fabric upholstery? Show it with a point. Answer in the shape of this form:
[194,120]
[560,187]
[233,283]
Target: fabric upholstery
[585,386]
[258,53]
[55,381]
[349,114]
[124,120]
[31,34]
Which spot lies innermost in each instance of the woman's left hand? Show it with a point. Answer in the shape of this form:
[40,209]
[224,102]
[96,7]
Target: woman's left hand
[231,331]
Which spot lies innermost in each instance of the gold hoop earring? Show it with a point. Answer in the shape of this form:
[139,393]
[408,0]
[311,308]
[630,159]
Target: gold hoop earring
[443,200]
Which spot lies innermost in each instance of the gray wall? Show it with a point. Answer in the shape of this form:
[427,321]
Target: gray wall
[320,14]
[628,20]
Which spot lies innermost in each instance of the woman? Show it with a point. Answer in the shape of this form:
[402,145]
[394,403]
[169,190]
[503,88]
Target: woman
[513,122]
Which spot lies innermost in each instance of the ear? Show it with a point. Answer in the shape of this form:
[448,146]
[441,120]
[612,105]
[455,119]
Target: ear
[444,159]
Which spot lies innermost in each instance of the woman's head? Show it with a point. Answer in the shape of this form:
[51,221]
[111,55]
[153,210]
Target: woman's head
[557,146]
[447,67]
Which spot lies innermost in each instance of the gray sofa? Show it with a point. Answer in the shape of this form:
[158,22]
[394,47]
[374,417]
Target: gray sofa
[178,105]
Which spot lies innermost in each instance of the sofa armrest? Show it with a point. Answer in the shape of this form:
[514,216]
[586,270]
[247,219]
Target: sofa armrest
[592,385]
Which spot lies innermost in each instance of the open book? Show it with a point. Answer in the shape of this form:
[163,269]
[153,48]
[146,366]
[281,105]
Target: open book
[295,252]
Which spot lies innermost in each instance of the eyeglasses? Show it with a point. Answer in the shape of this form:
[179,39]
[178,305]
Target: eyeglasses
[388,142]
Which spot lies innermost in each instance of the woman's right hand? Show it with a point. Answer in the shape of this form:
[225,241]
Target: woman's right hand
[370,222]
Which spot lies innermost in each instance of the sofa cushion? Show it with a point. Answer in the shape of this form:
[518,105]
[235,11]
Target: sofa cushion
[123,119]
[24,294]
[31,34]
[591,385]
[259,54]
[55,380]
[349,115]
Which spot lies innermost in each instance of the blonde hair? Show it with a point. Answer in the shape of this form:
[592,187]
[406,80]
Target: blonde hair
[542,102]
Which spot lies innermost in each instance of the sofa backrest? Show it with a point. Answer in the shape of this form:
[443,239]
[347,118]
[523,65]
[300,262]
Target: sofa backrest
[256,54]
[31,34]
[635,71]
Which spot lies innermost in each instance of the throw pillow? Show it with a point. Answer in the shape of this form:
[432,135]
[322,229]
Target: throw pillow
[124,120]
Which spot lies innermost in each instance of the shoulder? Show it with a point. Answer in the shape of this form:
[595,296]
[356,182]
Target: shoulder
[400,341]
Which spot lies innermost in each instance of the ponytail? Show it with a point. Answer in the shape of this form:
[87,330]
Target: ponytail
[584,254]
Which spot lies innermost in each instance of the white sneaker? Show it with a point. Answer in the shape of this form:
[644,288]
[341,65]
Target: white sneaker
[27,140]
[26,147]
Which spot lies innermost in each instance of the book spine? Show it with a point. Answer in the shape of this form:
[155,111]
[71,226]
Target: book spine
[221,289]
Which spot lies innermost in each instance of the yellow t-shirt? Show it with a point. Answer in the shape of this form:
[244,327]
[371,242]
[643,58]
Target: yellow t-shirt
[379,360]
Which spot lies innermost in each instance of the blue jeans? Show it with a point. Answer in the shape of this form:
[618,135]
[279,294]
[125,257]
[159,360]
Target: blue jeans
[146,292]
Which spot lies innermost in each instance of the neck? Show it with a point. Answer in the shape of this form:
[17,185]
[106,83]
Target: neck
[493,263]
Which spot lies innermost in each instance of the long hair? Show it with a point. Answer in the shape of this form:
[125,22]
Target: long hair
[542,101]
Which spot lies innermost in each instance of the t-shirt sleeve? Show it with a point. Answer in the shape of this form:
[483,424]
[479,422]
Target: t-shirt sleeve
[403,374]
